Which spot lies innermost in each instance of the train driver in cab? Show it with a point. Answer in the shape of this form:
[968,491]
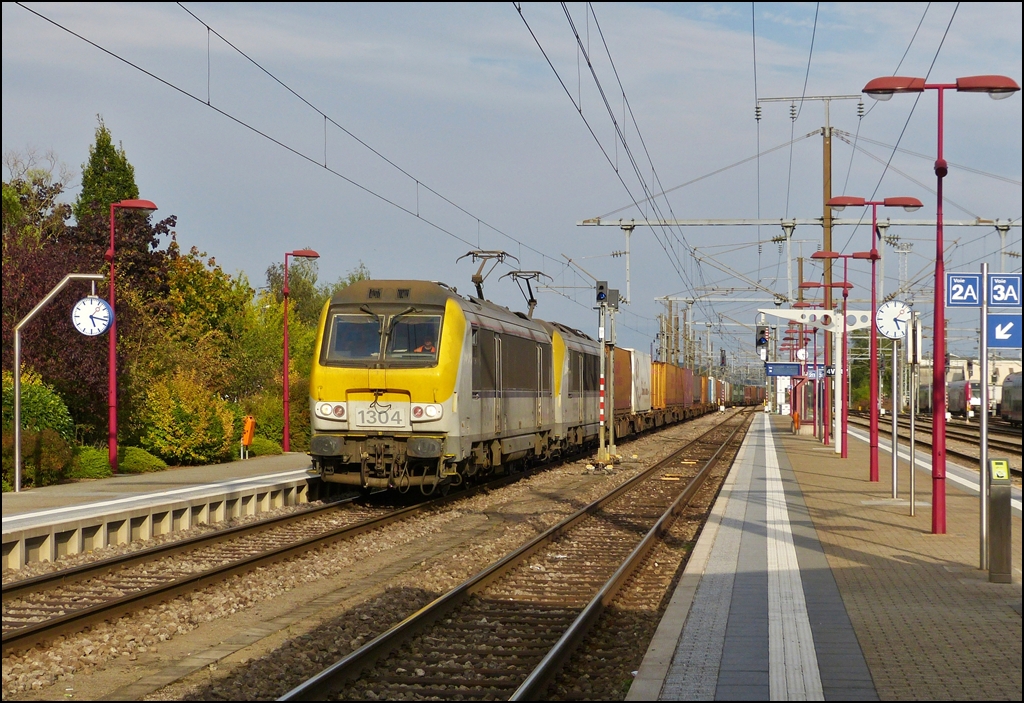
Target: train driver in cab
[427,347]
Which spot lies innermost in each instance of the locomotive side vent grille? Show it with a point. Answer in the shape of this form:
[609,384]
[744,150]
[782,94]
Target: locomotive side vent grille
[403,293]
[374,294]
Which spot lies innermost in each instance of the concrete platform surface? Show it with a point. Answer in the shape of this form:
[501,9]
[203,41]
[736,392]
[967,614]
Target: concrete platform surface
[122,486]
[810,583]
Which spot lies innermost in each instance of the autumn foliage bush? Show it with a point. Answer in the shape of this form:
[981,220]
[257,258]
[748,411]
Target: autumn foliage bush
[41,406]
[47,458]
[47,433]
[185,423]
[261,446]
[135,460]
[91,463]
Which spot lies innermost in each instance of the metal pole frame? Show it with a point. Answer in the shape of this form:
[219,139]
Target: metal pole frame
[895,417]
[983,458]
[47,299]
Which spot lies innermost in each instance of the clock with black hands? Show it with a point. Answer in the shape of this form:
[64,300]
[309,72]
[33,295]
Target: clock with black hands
[892,319]
[92,316]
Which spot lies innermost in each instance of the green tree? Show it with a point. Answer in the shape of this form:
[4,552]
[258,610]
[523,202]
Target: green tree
[32,212]
[306,295]
[107,177]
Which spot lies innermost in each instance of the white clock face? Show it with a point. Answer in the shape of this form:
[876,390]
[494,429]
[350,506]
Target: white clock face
[892,319]
[92,316]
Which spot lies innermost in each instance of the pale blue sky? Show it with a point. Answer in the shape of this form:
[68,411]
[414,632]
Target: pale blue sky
[462,99]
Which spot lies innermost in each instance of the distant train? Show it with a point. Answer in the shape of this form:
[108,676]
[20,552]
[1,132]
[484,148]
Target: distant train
[415,385]
[1010,408]
[963,398]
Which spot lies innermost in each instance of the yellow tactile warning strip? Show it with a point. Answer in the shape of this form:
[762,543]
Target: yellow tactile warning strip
[930,624]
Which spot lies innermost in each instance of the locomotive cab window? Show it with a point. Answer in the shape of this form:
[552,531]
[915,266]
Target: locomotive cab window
[414,338]
[353,338]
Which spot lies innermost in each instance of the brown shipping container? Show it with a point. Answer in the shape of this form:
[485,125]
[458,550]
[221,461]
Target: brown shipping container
[623,380]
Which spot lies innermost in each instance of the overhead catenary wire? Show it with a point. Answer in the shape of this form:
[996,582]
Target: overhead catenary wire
[327,118]
[676,262]
[849,167]
[241,122]
[636,126]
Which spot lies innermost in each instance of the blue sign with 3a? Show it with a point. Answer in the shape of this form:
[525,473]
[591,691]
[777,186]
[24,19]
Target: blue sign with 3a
[963,290]
[1004,290]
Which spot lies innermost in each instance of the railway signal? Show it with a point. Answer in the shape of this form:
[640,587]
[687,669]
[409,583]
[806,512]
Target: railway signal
[602,291]
[761,342]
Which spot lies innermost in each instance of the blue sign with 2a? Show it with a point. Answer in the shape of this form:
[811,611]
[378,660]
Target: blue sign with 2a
[963,290]
[1004,290]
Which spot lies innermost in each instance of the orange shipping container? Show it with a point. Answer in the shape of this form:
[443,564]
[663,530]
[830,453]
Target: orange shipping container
[668,385]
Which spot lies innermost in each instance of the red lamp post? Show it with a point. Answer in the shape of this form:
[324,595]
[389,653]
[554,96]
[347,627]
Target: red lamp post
[145,206]
[797,338]
[998,87]
[300,254]
[814,356]
[909,204]
[844,361]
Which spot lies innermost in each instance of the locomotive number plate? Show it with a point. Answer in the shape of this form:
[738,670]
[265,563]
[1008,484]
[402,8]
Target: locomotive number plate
[381,415]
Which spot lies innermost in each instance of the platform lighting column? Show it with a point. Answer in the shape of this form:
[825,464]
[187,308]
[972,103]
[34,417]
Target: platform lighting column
[299,254]
[844,362]
[884,88]
[144,206]
[838,204]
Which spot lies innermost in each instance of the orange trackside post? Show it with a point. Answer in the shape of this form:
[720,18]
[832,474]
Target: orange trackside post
[248,430]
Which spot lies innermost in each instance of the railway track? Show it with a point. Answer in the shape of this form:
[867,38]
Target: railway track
[40,608]
[885,427]
[507,632]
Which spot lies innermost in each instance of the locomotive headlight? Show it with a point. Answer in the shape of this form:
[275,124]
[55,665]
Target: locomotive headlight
[332,411]
[426,412]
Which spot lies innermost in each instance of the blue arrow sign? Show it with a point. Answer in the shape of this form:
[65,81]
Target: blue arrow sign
[1004,290]
[1004,331]
[963,290]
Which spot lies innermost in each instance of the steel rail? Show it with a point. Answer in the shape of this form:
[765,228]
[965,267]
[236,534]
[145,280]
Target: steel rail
[25,637]
[537,682]
[64,577]
[970,458]
[323,684]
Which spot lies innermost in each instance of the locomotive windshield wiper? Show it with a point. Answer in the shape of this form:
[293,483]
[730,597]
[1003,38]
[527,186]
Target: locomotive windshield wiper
[377,317]
[394,318]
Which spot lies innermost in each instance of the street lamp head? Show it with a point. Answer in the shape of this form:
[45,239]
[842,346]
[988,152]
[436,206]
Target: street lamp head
[885,87]
[304,254]
[997,87]
[825,255]
[841,202]
[872,255]
[145,205]
[907,203]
